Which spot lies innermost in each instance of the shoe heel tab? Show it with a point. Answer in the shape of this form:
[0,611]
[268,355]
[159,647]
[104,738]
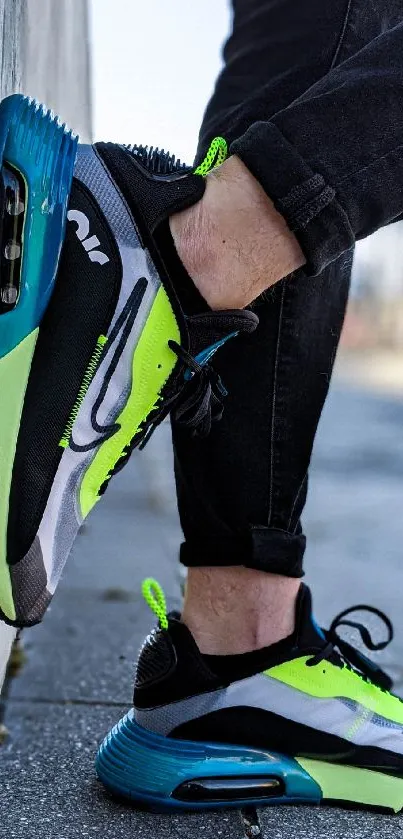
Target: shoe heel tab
[170,667]
[154,596]
[215,156]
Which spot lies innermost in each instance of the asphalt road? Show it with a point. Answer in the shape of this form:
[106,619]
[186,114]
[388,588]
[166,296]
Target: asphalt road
[77,677]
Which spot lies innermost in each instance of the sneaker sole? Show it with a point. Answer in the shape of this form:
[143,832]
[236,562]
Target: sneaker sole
[172,775]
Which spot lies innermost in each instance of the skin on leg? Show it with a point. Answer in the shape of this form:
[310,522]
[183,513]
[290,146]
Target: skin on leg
[235,610]
[233,243]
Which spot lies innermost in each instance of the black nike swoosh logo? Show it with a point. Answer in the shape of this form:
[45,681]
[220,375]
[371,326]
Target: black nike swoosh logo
[121,331]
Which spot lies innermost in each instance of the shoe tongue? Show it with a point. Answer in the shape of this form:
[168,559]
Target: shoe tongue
[210,330]
[307,631]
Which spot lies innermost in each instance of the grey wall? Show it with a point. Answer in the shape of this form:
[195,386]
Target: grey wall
[45,53]
[11,23]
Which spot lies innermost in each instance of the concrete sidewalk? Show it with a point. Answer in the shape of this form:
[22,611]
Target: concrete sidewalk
[77,679]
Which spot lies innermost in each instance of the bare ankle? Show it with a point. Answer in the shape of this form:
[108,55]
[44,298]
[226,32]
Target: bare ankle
[235,610]
[233,243]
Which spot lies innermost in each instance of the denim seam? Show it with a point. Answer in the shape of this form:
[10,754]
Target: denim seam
[342,35]
[295,504]
[314,185]
[273,416]
[282,530]
[356,172]
[301,218]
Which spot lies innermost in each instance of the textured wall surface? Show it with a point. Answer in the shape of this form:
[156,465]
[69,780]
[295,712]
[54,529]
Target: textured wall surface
[45,53]
[11,33]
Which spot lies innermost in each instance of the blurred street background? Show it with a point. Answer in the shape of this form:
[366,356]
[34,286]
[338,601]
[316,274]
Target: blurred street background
[149,84]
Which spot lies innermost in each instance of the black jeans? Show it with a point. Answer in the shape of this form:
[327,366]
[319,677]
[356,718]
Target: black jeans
[311,98]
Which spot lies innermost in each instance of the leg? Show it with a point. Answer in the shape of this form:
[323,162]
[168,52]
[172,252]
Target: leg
[242,490]
[293,720]
[333,178]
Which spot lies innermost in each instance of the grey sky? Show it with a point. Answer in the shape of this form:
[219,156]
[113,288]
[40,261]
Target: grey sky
[154,66]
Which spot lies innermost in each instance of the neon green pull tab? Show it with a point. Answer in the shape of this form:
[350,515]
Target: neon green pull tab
[155,598]
[215,156]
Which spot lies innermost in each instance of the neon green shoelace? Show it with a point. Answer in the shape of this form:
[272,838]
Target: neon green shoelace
[215,156]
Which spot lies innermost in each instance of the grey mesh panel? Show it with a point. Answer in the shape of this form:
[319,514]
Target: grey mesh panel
[257,692]
[350,703]
[384,723]
[376,719]
[68,522]
[164,719]
[90,169]
[329,715]
[29,584]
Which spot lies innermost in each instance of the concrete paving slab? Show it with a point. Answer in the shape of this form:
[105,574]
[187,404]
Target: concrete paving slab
[84,651]
[328,823]
[48,788]
[86,648]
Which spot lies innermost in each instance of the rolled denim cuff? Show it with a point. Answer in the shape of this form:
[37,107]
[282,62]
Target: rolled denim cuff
[262,548]
[309,205]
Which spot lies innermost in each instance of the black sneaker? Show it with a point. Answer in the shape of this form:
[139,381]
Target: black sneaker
[307,720]
[102,333]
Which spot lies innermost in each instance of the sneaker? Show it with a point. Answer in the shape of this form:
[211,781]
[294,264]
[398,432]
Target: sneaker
[102,333]
[307,720]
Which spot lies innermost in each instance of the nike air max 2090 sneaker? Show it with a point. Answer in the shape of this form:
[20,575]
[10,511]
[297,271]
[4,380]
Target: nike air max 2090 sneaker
[309,719]
[95,346]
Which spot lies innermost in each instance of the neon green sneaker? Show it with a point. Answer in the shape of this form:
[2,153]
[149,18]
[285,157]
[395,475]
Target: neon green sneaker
[309,719]
[102,333]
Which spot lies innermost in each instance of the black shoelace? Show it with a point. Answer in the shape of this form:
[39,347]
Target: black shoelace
[201,401]
[197,405]
[351,657]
